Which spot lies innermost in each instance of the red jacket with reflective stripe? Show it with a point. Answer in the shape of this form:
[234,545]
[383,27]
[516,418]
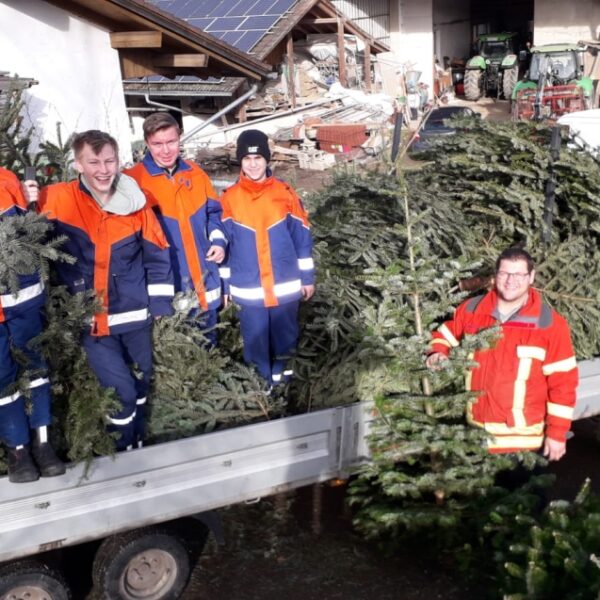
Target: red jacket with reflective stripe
[124,258]
[31,290]
[190,215]
[270,245]
[527,381]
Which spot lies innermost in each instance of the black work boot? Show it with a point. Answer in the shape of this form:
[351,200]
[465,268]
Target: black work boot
[48,463]
[20,466]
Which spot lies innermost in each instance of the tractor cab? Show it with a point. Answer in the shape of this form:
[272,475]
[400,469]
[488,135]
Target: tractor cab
[555,84]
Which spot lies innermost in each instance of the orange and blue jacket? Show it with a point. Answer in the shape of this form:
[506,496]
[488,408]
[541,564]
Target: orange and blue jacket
[191,219]
[270,244]
[527,382]
[123,258]
[31,289]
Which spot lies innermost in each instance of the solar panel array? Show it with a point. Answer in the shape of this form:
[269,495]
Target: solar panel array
[240,23]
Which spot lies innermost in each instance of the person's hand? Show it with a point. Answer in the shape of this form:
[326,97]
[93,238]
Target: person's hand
[226,300]
[215,254]
[31,190]
[307,292]
[554,450]
[434,361]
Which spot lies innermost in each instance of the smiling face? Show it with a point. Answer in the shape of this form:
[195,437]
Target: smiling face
[254,167]
[164,146]
[513,281]
[99,170]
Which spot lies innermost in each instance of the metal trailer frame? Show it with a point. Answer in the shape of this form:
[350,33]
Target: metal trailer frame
[180,478]
[189,476]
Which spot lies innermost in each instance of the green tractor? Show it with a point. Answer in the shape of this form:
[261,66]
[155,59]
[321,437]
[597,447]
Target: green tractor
[495,68]
[554,85]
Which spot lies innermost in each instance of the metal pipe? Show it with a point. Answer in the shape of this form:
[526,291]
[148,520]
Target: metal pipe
[219,114]
[167,106]
[275,115]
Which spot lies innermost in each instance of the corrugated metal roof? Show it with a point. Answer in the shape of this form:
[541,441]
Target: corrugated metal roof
[156,85]
[372,16]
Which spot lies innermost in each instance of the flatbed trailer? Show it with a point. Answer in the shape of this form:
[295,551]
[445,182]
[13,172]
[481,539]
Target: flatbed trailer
[130,501]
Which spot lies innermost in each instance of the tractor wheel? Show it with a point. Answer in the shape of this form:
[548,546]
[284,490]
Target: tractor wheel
[509,80]
[473,84]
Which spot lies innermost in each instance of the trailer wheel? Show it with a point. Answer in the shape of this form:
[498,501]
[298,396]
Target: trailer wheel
[148,564]
[30,580]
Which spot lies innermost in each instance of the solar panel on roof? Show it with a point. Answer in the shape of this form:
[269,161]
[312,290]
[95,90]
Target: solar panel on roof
[258,7]
[263,23]
[225,24]
[280,7]
[249,40]
[223,18]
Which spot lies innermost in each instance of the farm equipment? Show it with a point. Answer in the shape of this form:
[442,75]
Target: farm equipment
[555,84]
[495,68]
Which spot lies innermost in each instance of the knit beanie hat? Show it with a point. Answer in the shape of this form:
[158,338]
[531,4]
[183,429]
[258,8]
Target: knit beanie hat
[253,141]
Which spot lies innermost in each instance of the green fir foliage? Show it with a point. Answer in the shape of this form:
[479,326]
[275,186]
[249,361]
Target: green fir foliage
[195,389]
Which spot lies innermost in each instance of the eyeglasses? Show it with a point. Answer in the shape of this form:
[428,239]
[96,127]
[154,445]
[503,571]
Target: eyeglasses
[518,277]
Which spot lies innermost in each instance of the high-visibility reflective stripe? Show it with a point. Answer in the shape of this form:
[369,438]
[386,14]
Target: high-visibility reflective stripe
[561,366]
[38,382]
[288,372]
[248,293]
[520,390]
[442,342]
[140,401]
[306,264]
[516,441]
[10,399]
[503,429]
[8,300]
[225,272]
[128,317]
[161,289]
[216,234]
[531,352]
[276,377]
[213,294]
[448,335]
[290,287]
[560,410]
[469,374]
[124,421]
[280,289]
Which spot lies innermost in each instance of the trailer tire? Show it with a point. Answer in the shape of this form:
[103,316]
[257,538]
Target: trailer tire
[32,580]
[473,84]
[148,564]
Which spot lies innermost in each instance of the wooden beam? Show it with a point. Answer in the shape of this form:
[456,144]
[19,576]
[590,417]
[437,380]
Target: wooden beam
[137,63]
[367,66]
[319,21]
[136,39]
[342,53]
[181,60]
[290,66]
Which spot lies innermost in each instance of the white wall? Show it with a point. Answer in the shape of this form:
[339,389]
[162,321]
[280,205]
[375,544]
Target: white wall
[411,36]
[452,27]
[78,72]
[557,21]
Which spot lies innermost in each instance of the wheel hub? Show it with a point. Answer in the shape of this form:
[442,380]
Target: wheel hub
[149,575]
[27,592]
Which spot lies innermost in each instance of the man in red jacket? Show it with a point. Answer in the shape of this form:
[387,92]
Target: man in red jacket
[527,381]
